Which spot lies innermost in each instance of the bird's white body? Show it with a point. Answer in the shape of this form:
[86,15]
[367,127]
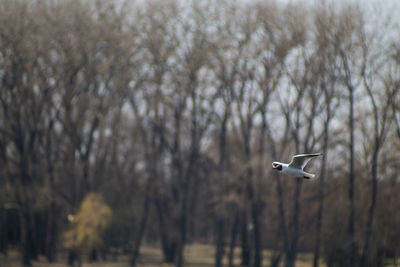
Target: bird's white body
[295,167]
[286,169]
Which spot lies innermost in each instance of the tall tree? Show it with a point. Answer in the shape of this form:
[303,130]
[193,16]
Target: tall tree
[381,102]
[326,60]
[351,66]
[24,98]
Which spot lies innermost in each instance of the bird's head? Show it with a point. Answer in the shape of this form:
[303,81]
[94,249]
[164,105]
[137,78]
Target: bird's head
[277,166]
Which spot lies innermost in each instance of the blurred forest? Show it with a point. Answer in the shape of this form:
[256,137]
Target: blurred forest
[124,124]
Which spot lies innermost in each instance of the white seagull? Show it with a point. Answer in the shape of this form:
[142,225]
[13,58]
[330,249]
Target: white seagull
[295,167]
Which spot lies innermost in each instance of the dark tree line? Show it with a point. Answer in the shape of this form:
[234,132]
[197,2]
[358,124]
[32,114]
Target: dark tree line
[173,112]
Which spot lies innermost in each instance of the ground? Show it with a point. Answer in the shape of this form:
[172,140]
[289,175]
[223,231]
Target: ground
[196,255]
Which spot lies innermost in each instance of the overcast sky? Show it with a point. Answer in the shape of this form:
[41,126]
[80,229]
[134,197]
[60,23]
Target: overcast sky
[391,7]
[384,14]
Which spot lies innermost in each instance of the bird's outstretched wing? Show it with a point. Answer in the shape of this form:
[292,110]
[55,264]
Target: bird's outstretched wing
[301,160]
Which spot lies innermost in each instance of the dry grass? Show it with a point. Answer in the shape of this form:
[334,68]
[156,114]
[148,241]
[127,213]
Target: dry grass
[196,255]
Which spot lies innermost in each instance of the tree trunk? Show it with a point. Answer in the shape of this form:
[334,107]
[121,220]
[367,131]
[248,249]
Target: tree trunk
[93,256]
[319,225]
[221,168]
[170,254]
[186,184]
[3,230]
[193,211]
[275,259]
[257,257]
[279,191]
[182,228]
[321,195]
[28,252]
[219,242]
[51,238]
[256,209]
[350,229]
[142,224]
[371,212]
[86,184]
[291,253]
[71,258]
[235,230]
[351,247]
[245,242]
[51,233]
[168,243]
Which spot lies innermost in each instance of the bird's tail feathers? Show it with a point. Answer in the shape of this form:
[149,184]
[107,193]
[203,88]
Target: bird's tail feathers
[308,176]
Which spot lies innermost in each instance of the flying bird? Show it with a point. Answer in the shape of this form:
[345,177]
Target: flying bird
[296,166]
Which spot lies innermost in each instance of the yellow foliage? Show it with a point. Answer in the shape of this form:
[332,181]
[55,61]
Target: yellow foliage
[88,225]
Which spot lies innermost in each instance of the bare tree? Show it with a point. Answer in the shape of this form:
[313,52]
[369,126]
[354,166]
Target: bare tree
[351,81]
[381,103]
[326,67]
[25,97]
